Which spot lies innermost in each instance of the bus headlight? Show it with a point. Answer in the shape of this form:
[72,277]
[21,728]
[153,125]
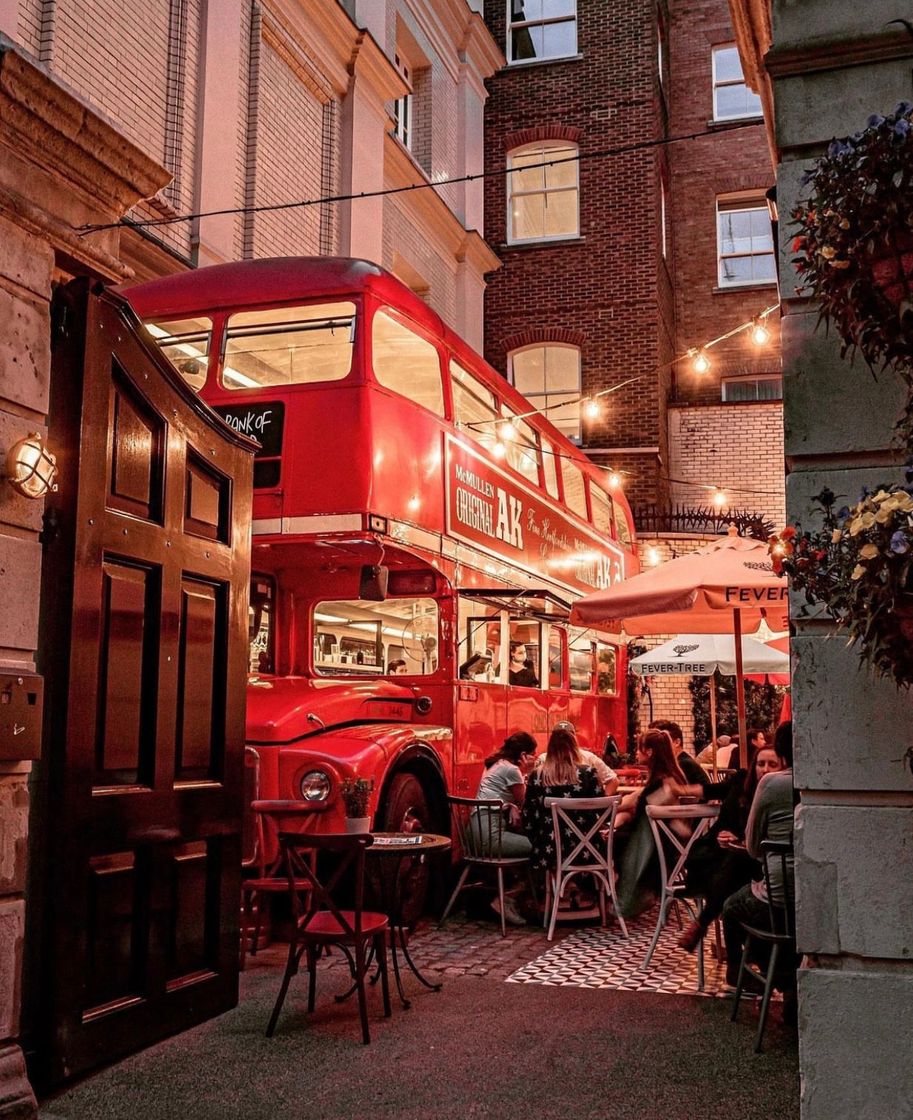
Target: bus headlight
[315,785]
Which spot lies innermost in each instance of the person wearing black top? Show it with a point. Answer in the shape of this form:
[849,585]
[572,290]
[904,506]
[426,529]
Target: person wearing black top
[719,864]
[519,671]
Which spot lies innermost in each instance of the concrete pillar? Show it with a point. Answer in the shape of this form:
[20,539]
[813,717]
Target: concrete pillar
[833,64]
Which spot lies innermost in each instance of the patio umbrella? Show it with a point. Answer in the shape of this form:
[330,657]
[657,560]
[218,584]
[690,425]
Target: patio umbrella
[705,655]
[731,579]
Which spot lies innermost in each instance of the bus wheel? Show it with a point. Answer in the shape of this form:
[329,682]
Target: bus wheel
[407,810]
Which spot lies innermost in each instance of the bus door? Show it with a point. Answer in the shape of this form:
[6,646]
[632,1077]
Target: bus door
[555,641]
[480,711]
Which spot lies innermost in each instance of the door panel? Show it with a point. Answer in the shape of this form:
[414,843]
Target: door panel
[144,644]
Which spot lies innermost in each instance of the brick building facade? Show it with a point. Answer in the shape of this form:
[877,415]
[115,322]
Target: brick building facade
[671,246]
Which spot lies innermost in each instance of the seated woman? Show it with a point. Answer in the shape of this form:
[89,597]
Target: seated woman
[719,864]
[504,780]
[562,774]
[638,877]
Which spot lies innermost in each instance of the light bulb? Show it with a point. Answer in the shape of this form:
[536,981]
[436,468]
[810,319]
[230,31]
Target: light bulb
[653,556]
[499,450]
[592,409]
[700,362]
[614,480]
[719,498]
[507,431]
[760,335]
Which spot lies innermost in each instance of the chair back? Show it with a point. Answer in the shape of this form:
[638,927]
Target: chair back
[672,848]
[271,818]
[579,824]
[251,823]
[478,824]
[779,854]
[299,854]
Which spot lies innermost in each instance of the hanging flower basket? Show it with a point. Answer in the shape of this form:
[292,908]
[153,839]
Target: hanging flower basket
[859,566]
[854,241]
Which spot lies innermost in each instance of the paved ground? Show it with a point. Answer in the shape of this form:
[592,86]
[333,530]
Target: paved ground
[522,1026]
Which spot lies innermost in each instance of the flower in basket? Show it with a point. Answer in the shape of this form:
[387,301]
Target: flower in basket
[859,566]
[854,242]
[356,795]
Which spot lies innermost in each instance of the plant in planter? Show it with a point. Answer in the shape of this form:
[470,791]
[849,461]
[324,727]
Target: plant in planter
[356,797]
[855,241]
[859,566]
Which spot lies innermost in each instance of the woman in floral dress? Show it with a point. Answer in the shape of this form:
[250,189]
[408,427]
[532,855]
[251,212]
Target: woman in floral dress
[562,774]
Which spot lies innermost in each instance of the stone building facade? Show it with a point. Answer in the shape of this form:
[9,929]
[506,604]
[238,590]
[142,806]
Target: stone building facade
[822,68]
[199,107]
[669,245]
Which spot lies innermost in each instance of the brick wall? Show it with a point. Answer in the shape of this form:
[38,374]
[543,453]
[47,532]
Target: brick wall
[604,286]
[142,74]
[403,238]
[702,170]
[736,446]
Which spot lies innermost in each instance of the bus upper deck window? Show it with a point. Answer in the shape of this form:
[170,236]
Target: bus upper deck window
[289,346]
[622,529]
[475,408]
[185,342]
[601,505]
[549,457]
[522,447]
[574,496]
[406,363]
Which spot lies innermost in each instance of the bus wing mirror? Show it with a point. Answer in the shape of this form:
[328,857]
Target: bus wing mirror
[373,583]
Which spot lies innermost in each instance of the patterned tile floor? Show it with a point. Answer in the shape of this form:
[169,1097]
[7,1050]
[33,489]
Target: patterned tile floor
[582,955]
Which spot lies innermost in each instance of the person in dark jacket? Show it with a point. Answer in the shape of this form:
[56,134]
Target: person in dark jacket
[718,864]
[694,773]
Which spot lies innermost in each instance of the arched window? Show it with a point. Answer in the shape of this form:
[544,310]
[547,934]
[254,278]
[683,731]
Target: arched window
[542,202]
[548,376]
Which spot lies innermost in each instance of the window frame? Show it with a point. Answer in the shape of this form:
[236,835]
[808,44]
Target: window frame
[747,204]
[404,321]
[402,106]
[716,85]
[755,379]
[541,401]
[545,146]
[511,24]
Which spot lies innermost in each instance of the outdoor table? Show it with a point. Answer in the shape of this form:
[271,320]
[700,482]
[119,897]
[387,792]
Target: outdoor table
[391,850]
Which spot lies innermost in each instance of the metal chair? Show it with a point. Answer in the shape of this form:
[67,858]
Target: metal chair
[589,825]
[780,936]
[674,888]
[268,876]
[324,923]
[478,824]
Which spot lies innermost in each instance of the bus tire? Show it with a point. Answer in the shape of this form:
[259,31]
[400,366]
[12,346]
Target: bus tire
[407,809]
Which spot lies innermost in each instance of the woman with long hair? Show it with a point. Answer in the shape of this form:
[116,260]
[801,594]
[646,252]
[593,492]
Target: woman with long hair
[718,864]
[562,774]
[638,876]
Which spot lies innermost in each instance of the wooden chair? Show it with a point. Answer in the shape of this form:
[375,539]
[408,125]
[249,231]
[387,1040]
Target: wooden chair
[268,878]
[780,936]
[324,923]
[590,851]
[478,824]
[674,888]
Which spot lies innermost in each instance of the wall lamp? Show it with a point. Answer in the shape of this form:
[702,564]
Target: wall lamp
[31,469]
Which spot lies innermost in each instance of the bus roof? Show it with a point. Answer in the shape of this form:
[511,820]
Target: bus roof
[271,280]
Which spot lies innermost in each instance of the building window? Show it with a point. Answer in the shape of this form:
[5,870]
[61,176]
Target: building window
[753,388]
[542,202]
[549,378]
[744,243]
[402,107]
[731,97]
[539,29]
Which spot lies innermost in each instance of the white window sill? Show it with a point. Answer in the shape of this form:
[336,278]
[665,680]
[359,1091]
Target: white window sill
[752,285]
[721,122]
[543,243]
[543,61]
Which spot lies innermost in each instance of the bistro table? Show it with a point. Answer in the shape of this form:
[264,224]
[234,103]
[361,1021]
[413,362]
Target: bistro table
[396,853]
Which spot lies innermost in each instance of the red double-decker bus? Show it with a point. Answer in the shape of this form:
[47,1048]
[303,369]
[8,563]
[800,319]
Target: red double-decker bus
[403,549]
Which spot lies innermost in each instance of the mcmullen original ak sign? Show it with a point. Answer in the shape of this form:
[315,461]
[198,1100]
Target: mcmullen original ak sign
[496,514]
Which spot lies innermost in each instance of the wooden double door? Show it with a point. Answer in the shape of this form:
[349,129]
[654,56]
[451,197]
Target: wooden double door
[133,901]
